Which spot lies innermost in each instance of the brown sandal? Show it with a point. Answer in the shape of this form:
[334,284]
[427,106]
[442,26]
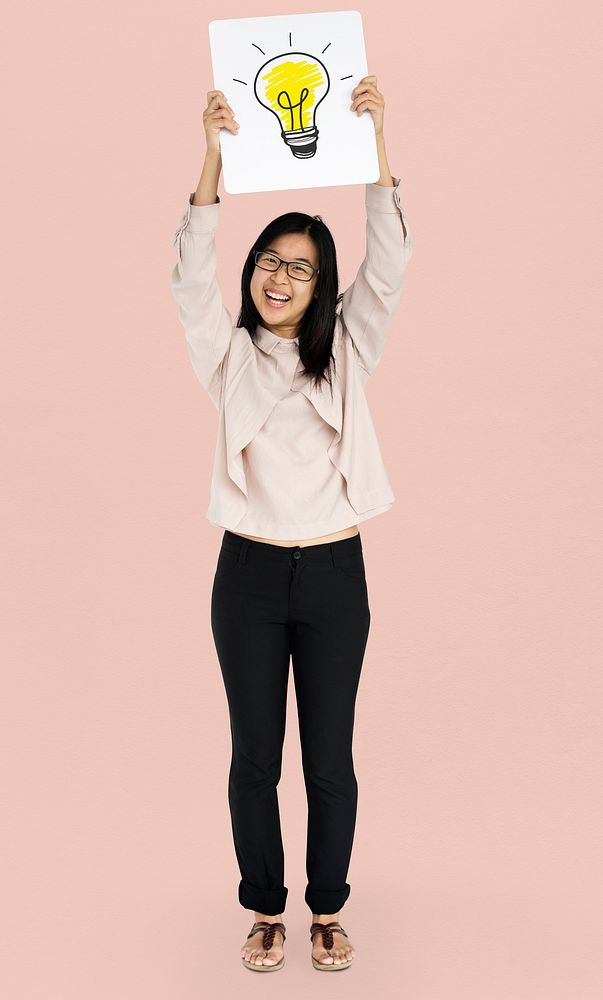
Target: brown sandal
[327,942]
[267,942]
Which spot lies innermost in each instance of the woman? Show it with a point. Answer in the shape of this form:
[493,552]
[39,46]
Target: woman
[297,466]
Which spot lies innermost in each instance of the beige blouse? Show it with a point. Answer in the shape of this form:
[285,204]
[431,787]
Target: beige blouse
[292,461]
[294,489]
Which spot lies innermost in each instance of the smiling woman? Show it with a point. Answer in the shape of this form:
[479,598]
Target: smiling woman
[296,468]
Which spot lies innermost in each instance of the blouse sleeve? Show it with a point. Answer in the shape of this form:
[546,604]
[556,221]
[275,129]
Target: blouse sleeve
[369,303]
[194,283]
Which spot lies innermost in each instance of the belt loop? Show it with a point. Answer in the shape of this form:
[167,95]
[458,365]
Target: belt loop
[332,550]
[244,550]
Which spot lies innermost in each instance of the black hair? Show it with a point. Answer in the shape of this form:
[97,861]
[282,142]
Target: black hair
[317,326]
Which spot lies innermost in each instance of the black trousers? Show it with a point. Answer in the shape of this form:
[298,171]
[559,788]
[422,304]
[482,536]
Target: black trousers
[270,604]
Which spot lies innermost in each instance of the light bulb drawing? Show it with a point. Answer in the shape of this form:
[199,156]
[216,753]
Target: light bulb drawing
[291,86]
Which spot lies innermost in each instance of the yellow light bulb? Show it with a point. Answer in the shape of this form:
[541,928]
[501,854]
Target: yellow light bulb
[291,86]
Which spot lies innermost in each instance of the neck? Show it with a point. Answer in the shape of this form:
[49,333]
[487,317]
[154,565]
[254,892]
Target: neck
[287,332]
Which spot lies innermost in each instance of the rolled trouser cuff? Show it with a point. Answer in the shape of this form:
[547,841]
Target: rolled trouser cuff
[268,901]
[326,901]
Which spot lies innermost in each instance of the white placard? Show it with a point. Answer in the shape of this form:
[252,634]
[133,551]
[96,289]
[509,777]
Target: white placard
[289,81]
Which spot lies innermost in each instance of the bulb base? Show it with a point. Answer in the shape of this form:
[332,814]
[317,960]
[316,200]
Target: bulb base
[301,141]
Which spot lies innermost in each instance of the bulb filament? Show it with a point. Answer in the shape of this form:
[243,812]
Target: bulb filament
[288,106]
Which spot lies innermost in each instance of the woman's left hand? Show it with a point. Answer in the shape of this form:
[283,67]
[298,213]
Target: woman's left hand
[366,97]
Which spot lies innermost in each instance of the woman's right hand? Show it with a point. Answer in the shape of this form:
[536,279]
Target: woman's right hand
[218,114]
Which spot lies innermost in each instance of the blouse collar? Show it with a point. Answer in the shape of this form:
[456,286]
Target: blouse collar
[267,341]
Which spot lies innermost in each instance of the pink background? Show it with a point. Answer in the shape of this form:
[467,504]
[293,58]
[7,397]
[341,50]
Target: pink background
[477,859]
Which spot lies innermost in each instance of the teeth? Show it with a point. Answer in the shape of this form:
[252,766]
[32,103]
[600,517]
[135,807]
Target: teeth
[279,298]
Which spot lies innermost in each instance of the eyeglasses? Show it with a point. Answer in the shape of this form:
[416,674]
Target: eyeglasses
[295,268]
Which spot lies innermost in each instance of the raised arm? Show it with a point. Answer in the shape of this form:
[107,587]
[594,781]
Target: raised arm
[372,299]
[194,282]
[206,321]
[370,302]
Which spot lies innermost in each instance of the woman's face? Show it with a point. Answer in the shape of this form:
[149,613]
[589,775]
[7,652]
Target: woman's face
[284,319]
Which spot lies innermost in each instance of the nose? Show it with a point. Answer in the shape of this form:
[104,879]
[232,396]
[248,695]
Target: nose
[276,274]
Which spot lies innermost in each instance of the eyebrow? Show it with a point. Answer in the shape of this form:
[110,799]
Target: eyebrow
[305,259]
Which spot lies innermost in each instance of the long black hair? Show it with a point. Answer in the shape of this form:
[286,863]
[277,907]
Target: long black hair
[317,326]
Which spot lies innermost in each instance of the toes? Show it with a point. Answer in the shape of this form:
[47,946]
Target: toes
[257,957]
[336,956]
[342,955]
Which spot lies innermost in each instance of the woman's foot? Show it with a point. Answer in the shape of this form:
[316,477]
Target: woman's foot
[342,950]
[252,950]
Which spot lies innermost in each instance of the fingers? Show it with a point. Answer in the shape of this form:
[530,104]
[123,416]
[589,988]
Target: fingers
[219,113]
[367,86]
[216,100]
[364,102]
[366,97]
[221,119]
[366,83]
